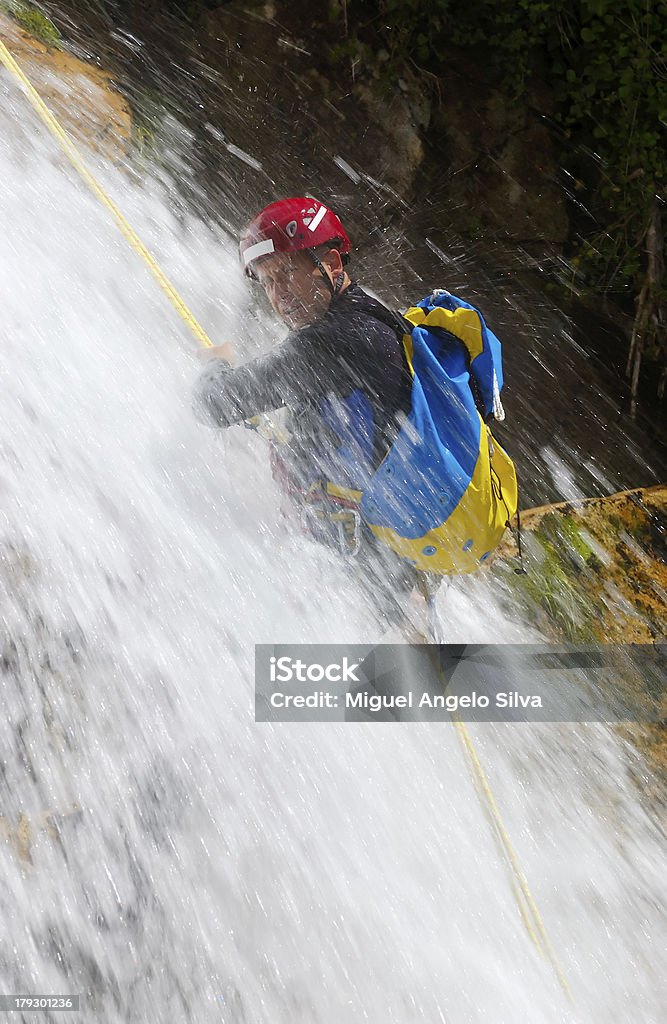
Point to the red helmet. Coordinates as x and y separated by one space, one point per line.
291 225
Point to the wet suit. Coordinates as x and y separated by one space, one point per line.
346 385
353 352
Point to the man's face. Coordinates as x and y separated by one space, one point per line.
295 288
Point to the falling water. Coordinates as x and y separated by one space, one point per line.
167 858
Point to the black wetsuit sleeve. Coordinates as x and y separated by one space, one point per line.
304 368
224 395
344 352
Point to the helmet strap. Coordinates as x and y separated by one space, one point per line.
333 288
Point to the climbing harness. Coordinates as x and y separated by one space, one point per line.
343 526
330 517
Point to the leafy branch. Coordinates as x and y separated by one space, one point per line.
604 62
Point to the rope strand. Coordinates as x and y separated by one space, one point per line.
126 228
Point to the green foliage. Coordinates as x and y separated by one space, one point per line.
605 64
351 50
149 108
413 26
611 90
36 24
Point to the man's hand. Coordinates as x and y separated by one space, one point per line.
224 352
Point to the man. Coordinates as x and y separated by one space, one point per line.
342 371
365 452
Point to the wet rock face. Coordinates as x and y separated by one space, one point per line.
80 95
275 98
279 108
303 113
501 165
597 573
597 569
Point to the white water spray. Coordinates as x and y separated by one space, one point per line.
195 865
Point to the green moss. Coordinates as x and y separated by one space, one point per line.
144 138
149 109
35 24
588 581
571 531
553 583
552 587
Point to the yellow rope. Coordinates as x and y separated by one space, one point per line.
526 903
95 187
528 909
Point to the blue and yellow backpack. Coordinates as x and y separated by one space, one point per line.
446 491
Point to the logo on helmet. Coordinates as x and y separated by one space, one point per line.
291 225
